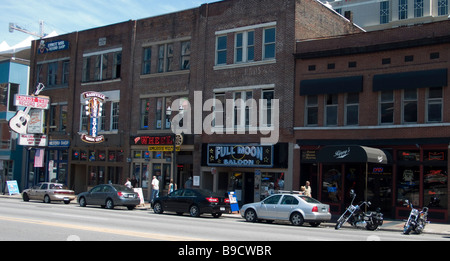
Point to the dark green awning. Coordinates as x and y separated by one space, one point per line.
410 80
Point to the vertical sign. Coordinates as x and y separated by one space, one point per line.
94 102
233 201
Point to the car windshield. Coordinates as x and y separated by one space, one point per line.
310 200
122 188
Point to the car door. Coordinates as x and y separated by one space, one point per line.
33 190
268 209
94 196
40 192
170 203
185 202
285 207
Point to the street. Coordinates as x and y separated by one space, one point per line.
59 222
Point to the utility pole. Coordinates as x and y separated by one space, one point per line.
41 34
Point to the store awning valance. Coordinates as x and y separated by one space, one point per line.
331 85
351 154
410 80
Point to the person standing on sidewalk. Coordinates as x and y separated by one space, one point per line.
155 187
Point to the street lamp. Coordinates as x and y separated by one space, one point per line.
173 174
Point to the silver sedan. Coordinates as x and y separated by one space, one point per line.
287 207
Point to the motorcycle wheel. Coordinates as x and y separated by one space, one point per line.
339 223
371 227
407 229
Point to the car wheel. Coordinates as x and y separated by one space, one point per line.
82 202
194 211
157 208
109 204
25 197
297 219
250 215
47 199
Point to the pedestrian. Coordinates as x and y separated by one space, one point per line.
172 186
188 183
155 187
308 190
134 181
128 183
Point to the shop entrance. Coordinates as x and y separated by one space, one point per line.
243 184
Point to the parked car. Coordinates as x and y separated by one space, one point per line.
48 192
192 201
289 207
108 196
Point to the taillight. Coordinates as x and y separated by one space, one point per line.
315 209
226 200
213 200
120 194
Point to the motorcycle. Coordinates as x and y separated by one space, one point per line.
357 218
416 220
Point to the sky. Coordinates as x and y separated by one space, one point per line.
66 16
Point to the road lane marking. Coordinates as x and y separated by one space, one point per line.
154 236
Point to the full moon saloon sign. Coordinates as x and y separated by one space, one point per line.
93 109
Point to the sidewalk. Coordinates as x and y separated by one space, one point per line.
388 225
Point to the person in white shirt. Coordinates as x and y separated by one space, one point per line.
155 188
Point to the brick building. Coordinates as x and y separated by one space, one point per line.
232 50
384 90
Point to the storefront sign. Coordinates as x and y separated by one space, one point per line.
94 102
163 148
54 46
38 102
33 140
240 155
152 140
13 188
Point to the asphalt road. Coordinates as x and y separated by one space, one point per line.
36 221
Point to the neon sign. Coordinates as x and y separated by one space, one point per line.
93 109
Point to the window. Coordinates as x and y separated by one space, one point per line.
221 50
331 109
386 107
402 9
352 109
52 73
161 52
101 67
244 47
169 58
145 109
269 43
185 55
434 104
267 96
410 106
384 12
289 200
312 110
418 8
65 76
244 112
63 117
147 60
114 116
117 65
273 200
86 74
219 110
442 7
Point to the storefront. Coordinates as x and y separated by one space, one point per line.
156 155
417 173
48 164
252 171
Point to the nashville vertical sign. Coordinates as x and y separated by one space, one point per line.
93 109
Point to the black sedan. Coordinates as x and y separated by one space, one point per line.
192 201
110 195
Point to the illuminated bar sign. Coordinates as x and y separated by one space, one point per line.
240 155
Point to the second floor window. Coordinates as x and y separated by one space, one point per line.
221 50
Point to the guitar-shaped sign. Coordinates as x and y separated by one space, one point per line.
19 123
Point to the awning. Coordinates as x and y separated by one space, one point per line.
410 80
331 85
351 154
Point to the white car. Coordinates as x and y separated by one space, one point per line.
287 207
